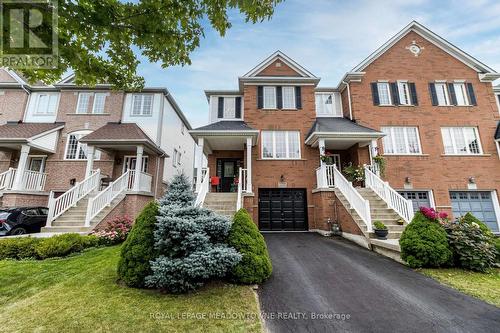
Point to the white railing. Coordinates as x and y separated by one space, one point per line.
243 180
324 176
394 200
68 199
204 188
145 182
106 196
7 179
33 180
357 202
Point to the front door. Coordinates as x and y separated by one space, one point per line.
36 163
227 171
130 162
282 209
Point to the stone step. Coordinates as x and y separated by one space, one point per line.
66 229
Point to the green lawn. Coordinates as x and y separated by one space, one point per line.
480 285
80 294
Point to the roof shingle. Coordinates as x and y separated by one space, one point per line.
339 125
25 130
117 131
226 126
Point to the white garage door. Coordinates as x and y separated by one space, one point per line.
479 203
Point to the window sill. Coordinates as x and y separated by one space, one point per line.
281 110
465 155
88 114
44 114
405 155
281 159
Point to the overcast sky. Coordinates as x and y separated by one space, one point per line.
327 37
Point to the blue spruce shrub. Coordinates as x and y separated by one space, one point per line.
190 242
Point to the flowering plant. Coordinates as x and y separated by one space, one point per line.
115 231
434 215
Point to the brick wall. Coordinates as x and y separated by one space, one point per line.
12 105
328 206
130 206
12 199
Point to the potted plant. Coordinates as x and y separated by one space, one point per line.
381 163
380 230
401 222
354 174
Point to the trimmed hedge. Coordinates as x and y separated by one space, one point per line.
43 248
138 249
255 266
424 243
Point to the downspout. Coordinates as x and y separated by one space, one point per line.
348 98
157 173
27 101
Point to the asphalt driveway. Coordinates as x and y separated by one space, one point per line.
321 284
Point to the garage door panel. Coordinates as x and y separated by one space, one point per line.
284 210
479 203
417 198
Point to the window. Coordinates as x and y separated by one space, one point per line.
401 141
461 94
83 102
179 158
76 150
99 100
174 158
142 105
280 144
384 93
326 105
269 97
46 104
461 140
131 162
229 107
442 94
288 97
404 93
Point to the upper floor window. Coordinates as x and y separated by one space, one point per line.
461 141
99 101
280 144
327 104
279 97
229 107
452 93
84 99
142 105
46 104
394 93
401 140
176 158
83 102
76 150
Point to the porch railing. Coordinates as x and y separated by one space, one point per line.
204 187
324 176
356 201
394 200
145 181
106 196
7 179
33 180
59 205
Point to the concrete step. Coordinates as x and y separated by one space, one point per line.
390 235
66 229
68 223
395 228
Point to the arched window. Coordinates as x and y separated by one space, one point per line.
76 150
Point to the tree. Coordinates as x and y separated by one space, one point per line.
97 39
190 242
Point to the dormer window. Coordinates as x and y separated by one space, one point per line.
328 104
229 107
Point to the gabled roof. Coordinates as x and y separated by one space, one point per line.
431 37
339 128
278 55
225 125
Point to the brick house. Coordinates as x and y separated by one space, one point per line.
280 143
88 154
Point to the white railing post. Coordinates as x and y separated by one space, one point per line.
51 205
203 189
240 180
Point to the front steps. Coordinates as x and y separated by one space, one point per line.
221 203
73 220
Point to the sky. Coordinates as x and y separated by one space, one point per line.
327 37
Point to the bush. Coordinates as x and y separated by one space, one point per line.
424 243
115 231
255 265
471 219
496 242
18 248
62 245
138 249
379 225
472 247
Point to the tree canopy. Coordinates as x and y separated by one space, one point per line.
99 40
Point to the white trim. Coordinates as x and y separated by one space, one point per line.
389 94
390 135
144 158
497 100
456 153
269 107
278 55
497 144
103 104
432 201
404 89
496 206
287 145
80 94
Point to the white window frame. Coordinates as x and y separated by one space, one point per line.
104 95
446 95
391 135
79 147
80 96
176 158
264 94
287 146
128 158
293 106
229 110
462 87
404 89
380 84
141 109
46 113
320 103
454 144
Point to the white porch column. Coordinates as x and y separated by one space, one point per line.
138 168
322 150
21 167
249 165
90 160
199 167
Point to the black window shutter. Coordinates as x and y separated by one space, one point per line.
472 96
413 93
279 98
260 97
376 100
220 113
453 95
395 93
498 99
298 98
237 103
434 98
